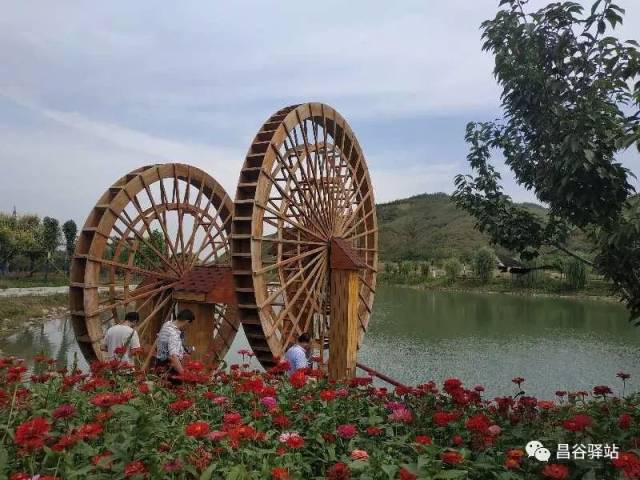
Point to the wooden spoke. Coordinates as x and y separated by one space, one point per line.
139 244
304 183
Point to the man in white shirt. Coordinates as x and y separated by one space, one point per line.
170 349
121 340
296 356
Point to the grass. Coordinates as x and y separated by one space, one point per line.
14 311
56 279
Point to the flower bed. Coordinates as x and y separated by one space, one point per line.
115 423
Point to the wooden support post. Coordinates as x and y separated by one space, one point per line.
345 291
343 332
200 333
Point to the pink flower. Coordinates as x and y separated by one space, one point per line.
494 430
268 402
401 415
359 455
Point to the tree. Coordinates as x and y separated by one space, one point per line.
483 264
570 100
50 238
70 231
452 268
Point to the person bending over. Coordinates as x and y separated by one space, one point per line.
297 355
122 339
170 349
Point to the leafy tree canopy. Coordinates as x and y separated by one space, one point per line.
570 101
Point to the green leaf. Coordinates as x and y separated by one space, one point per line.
208 473
451 474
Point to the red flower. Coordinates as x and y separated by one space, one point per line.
457 440
623 376
602 390
135 468
295 441
423 440
442 419
279 473
347 431
451 457
232 418
20 476
451 385
64 442
31 434
298 379
556 471
518 380
328 395
511 463
281 421
197 429
405 474
374 431
64 411
89 430
478 423
577 423
624 421
180 405
338 471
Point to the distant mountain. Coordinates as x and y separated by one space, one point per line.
431 227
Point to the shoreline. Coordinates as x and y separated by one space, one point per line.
19 312
521 292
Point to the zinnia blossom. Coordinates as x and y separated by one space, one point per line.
279 473
197 429
338 471
180 405
31 434
451 457
478 423
65 410
577 423
134 468
405 474
359 455
347 430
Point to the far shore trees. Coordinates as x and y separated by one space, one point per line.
571 107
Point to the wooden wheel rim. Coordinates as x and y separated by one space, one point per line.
116 267
304 182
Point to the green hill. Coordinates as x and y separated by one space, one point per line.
431 227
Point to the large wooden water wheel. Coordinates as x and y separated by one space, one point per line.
157 240
304 236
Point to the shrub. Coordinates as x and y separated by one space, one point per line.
452 268
483 263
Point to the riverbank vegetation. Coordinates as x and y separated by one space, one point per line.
240 424
16 311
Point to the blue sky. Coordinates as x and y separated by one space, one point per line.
91 90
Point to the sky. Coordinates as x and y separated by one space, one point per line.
92 90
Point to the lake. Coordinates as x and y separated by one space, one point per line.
487 339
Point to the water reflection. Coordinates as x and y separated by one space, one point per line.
555 343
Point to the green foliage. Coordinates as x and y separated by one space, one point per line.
483 263
149 254
452 268
70 231
575 273
570 99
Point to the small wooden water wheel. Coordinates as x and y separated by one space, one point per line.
157 240
304 237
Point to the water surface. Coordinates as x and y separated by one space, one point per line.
417 335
